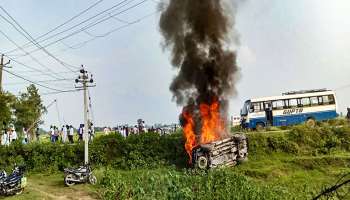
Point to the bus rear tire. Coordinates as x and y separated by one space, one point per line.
310 123
259 127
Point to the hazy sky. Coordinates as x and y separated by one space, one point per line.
284 45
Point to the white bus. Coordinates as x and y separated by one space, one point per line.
290 108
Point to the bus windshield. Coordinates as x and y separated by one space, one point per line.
244 111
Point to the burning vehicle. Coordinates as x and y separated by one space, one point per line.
199 33
226 152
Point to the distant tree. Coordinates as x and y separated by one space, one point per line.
28 108
7 101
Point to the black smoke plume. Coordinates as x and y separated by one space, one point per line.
198 33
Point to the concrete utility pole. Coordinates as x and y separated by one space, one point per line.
2 65
86 80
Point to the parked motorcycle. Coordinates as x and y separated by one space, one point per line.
83 174
13 183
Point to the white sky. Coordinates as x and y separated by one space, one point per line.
284 45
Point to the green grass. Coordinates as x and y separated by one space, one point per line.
284 163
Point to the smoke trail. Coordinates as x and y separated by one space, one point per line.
198 32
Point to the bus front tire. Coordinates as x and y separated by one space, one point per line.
259 127
310 122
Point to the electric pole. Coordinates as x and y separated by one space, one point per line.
2 65
86 80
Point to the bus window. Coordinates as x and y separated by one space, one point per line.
299 103
256 107
267 105
331 99
320 100
314 101
305 102
277 105
293 103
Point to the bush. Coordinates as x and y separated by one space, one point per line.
302 140
146 151
152 150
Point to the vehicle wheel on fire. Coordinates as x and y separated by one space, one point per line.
202 162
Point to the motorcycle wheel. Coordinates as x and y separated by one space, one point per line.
67 180
92 180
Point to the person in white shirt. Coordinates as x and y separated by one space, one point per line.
13 134
5 138
25 134
70 134
64 133
52 134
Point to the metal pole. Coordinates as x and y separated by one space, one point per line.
1 67
86 126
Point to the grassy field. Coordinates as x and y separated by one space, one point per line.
288 163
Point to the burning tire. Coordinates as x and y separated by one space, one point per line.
202 162
226 152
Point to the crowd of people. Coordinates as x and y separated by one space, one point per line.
9 135
66 133
126 130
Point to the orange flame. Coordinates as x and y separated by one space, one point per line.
189 134
213 126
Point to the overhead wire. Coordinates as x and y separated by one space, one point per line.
32 57
94 37
88 26
65 91
80 23
33 82
43 81
32 40
61 25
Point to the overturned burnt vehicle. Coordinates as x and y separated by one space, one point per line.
226 152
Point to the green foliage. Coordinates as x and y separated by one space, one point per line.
302 140
186 184
28 108
6 103
142 151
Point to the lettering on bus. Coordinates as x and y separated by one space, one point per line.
292 111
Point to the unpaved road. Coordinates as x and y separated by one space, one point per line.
51 187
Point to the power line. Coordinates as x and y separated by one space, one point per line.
32 40
88 26
43 81
35 83
32 68
59 26
94 37
65 91
32 57
76 25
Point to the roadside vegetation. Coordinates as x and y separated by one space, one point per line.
284 163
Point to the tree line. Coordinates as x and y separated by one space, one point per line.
22 110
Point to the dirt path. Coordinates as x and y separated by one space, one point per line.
51 187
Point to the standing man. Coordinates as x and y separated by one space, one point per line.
13 134
64 133
37 133
52 134
70 134
348 114
81 132
25 134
